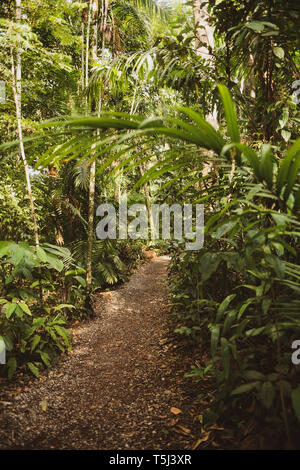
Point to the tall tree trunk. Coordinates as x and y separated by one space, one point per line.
19 58
83 50
16 76
204 31
87 44
89 261
94 43
103 24
113 36
94 6
204 43
148 203
145 186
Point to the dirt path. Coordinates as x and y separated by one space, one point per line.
115 390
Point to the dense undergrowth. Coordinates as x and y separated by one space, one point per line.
240 292
43 293
239 295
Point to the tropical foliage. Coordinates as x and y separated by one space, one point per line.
163 115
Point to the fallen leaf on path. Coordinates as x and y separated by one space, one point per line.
202 439
215 427
44 405
183 429
175 411
172 422
181 432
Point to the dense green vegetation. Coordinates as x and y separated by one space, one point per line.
188 103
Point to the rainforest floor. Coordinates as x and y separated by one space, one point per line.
122 387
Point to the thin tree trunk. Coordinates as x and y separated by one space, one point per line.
94 46
82 52
105 7
148 203
145 186
113 36
87 46
94 43
204 43
22 150
204 31
89 261
19 59
16 75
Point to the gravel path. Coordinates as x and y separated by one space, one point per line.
116 388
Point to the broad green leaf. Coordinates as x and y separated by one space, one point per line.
17 255
55 263
276 264
45 358
267 164
33 369
225 228
215 333
230 114
251 156
285 164
65 334
208 265
267 394
62 306
10 310
292 175
253 375
256 331
5 248
244 307
279 52
216 140
245 388
35 341
25 308
41 254
223 306
229 319
81 280
286 134
256 26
